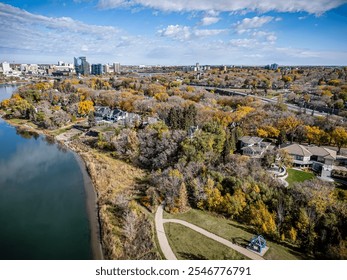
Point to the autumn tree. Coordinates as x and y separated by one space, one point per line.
315 135
85 107
262 219
289 125
339 135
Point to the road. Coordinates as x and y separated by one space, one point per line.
291 107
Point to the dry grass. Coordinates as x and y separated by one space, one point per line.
112 178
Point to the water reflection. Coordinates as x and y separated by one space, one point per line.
6 91
29 160
27 134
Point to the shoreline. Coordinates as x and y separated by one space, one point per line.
91 207
91 202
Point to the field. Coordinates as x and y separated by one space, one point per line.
230 230
190 245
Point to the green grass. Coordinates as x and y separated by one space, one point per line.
234 232
296 176
188 244
59 131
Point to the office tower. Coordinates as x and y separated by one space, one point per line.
82 66
97 69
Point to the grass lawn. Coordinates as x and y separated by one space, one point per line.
188 244
295 176
235 232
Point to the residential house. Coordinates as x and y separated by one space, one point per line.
318 159
253 146
102 112
117 115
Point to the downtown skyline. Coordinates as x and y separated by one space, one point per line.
175 32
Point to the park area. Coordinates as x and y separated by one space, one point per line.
188 244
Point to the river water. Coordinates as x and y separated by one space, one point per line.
43 211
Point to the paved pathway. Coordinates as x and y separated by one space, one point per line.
163 242
165 247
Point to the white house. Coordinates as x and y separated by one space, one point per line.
319 159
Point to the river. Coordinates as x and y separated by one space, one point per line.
43 213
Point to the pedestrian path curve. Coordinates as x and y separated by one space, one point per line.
165 246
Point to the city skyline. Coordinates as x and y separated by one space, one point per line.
175 32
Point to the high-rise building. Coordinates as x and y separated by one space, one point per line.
81 65
97 69
5 66
106 68
116 67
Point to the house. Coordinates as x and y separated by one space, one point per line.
102 112
253 146
131 118
116 115
318 159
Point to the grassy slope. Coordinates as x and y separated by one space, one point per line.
296 176
191 245
231 230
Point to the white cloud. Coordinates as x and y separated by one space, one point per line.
268 36
310 6
212 13
208 32
244 43
247 24
209 20
29 32
185 33
30 38
176 32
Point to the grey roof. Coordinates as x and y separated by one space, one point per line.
297 149
254 149
307 151
250 140
323 152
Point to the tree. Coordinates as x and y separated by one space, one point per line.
182 200
262 219
339 135
268 131
314 134
85 107
161 96
289 126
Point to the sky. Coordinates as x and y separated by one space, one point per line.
175 32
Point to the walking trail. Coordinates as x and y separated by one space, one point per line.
165 246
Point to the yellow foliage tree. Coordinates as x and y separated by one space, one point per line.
85 107
241 112
314 134
293 234
235 204
262 219
5 103
339 136
289 125
268 131
161 96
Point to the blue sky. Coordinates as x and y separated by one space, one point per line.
175 32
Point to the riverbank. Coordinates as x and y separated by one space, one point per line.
90 191
108 182
92 210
